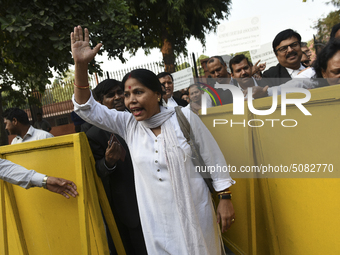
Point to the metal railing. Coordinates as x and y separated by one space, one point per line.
56 100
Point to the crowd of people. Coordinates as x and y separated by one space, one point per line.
145 160
295 69
171 206
150 120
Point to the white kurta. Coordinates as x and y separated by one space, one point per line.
158 212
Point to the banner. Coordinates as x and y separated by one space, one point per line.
266 54
182 78
237 36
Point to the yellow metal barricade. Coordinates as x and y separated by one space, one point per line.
36 221
290 214
285 214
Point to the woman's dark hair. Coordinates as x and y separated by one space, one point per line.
320 64
147 78
335 29
105 87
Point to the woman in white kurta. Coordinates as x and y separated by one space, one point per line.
174 202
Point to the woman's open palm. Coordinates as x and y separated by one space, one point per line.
81 50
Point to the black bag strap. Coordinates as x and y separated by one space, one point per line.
197 158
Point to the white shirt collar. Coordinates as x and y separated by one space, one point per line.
293 72
30 132
171 102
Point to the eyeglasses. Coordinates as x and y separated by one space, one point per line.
284 49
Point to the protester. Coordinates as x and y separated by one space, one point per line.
218 70
325 71
306 50
19 175
327 64
116 172
305 61
17 123
241 72
175 205
167 80
185 96
286 46
42 124
195 95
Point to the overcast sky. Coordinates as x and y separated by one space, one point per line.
276 15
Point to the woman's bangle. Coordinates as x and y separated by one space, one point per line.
81 87
224 192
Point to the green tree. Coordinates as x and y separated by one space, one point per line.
167 24
182 66
324 25
34 38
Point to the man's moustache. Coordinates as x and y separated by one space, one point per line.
291 54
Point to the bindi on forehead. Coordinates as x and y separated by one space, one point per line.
129 87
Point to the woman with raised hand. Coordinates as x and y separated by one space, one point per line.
175 205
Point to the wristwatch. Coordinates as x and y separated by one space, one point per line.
225 196
44 182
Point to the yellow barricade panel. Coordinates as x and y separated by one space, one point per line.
36 221
284 214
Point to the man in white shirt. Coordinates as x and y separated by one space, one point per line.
17 123
167 80
19 175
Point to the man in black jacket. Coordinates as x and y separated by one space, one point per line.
117 175
287 48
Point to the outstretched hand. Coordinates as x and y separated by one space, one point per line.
61 186
81 50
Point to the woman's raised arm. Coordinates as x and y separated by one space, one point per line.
82 55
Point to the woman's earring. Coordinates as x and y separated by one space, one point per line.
159 99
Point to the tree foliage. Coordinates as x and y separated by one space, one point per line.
324 25
167 24
34 38
35 35
198 64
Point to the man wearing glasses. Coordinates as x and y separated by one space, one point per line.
287 48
